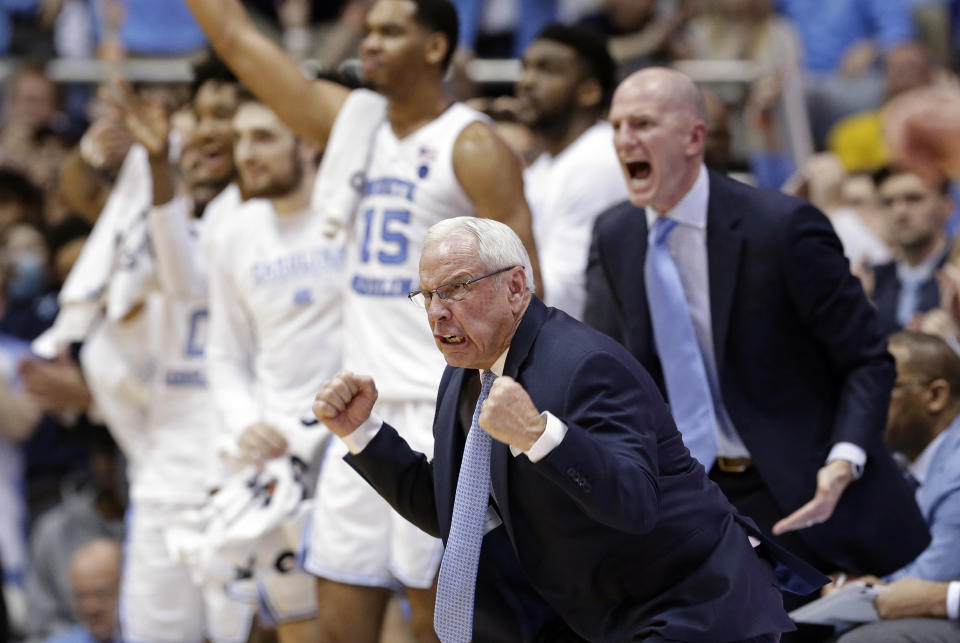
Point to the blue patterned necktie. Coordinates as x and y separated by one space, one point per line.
683 369
453 615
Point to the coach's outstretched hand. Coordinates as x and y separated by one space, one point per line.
345 402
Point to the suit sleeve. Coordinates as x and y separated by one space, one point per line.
402 476
830 301
608 460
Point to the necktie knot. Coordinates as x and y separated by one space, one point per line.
662 227
486 382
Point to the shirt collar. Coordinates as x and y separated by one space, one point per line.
921 466
498 365
691 210
922 271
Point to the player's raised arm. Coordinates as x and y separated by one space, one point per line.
490 174
307 107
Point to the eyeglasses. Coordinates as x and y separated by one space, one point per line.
912 384
450 292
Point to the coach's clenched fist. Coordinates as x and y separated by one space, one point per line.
345 402
509 415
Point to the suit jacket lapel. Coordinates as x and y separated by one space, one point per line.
724 241
637 277
520 346
448 450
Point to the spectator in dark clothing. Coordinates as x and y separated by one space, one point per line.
916 210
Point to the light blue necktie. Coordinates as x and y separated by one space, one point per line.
453 615
683 369
908 302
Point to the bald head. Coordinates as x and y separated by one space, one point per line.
95 581
678 92
659 119
96 555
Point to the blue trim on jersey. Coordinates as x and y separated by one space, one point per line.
390 186
376 287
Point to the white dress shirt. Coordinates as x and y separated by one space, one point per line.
688 247
953 600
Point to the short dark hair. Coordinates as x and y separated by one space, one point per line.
210 68
591 48
440 15
939 181
929 356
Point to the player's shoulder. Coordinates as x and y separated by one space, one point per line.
232 220
477 142
361 105
223 205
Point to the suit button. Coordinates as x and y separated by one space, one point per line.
573 473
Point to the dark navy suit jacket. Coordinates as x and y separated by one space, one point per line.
617 530
801 359
886 294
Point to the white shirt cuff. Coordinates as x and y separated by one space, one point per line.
851 453
363 434
953 600
551 437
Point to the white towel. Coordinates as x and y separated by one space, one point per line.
131 196
83 294
134 271
342 172
255 507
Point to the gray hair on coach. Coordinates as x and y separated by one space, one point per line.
497 246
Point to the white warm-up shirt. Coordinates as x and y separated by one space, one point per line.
179 463
566 194
275 315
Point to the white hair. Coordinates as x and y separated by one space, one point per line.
496 245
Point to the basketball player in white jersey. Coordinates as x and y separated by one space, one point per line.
159 599
275 307
430 161
189 424
275 295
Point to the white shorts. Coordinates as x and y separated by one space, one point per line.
159 601
285 593
355 537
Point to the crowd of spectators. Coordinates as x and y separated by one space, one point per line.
837 64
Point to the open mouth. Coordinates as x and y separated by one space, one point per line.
450 340
639 169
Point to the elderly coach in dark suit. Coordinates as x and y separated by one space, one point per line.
742 307
582 484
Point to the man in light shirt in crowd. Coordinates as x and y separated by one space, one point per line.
567 80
